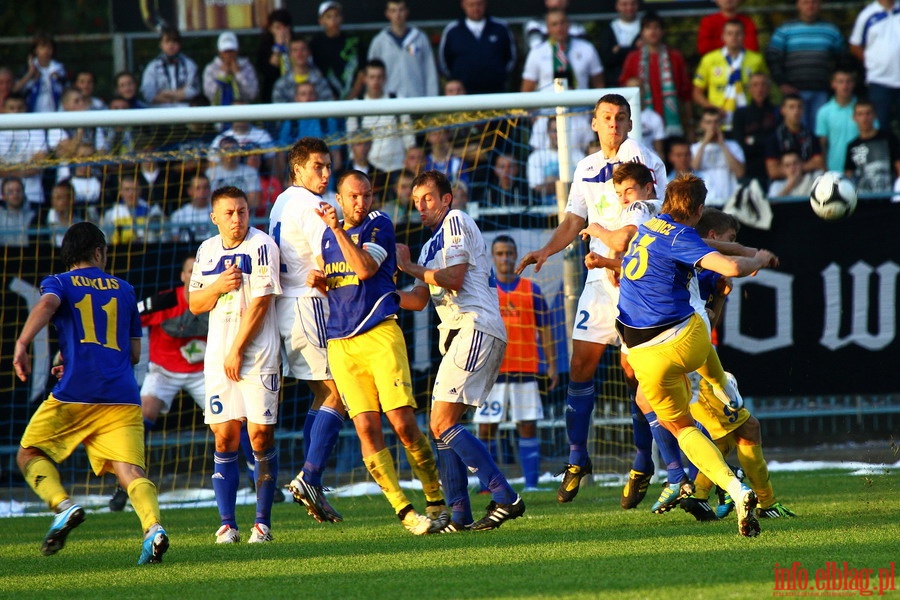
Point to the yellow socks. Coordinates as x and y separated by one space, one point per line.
421 459
43 477
381 467
145 501
757 471
704 454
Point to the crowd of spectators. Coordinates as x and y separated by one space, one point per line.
813 98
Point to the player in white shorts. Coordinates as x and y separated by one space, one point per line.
516 396
454 271
177 347
164 385
303 313
592 199
235 279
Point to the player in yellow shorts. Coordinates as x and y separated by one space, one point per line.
729 428
666 337
366 352
96 401
376 363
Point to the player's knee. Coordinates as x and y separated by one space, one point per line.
262 438
628 372
438 426
750 431
26 455
151 406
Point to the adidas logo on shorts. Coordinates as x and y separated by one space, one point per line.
268 413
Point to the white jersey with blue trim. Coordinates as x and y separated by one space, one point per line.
297 229
593 197
258 258
459 241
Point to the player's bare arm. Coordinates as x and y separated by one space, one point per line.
135 350
615 239
414 299
717 306
562 236
737 266
596 261
736 249
37 320
546 336
316 279
251 322
204 299
449 278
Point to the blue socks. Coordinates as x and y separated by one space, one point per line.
668 449
247 450
225 485
266 480
322 438
530 459
308 428
475 455
455 481
579 404
643 441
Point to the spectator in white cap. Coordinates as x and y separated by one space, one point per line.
229 78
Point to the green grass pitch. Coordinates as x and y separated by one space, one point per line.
588 549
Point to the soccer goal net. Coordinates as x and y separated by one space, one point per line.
140 175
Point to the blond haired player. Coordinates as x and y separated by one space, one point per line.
728 427
666 337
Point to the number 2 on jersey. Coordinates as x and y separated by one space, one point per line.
85 308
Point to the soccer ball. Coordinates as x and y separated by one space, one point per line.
833 196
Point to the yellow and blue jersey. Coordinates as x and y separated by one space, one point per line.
359 305
656 273
96 320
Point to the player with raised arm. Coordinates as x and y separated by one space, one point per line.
96 401
235 280
302 316
366 349
667 338
455 272
593 199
